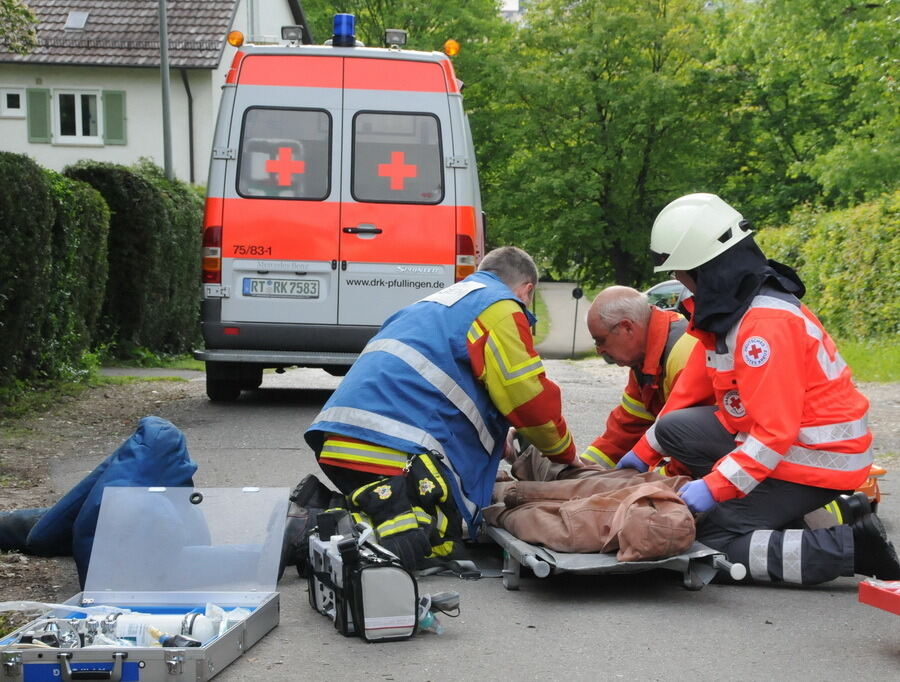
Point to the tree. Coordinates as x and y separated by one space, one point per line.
809 101
17 26
602 127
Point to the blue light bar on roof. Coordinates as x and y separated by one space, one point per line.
344 30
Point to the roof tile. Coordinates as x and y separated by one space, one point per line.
126 33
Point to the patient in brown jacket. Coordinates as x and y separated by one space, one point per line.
592 509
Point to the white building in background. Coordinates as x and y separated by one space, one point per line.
92 87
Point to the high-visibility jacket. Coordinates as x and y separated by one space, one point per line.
415 389
665 355
785 392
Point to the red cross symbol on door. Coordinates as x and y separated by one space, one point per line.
397 170
285 166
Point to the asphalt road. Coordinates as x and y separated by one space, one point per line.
640 626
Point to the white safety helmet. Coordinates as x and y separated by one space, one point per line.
694 229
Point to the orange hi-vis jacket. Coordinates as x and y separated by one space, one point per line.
666 354
785 392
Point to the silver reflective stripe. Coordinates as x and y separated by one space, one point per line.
756 450
353 416
831 433
759 554
721 362
440 380
533 365
792 557
398 459
650 435
455 292
797 454
826 459
739 478
831 368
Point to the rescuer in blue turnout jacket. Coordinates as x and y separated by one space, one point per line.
414 434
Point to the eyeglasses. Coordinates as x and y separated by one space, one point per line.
599 342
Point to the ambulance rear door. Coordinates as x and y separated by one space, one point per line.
398 200
281 216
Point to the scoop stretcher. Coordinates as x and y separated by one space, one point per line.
698 566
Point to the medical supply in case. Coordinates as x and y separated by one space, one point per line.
181 582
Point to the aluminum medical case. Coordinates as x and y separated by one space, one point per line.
170 551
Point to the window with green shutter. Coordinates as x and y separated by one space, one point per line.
39 125
114 117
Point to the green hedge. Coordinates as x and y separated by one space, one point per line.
52 273
849 261
78 274
26 218
154 257
184 207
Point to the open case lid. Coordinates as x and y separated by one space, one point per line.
160 545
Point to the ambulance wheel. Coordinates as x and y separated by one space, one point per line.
222 390
251 377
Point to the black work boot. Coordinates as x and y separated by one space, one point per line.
873 553
853 507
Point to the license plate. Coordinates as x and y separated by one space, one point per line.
281 288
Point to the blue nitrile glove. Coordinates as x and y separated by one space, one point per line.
632 461
696 496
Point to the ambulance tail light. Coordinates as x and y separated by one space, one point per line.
465 256
212 255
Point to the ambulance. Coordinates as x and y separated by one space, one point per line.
342 187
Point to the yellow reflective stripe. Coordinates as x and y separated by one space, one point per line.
512 373
559 446
361 458
443 549
476 331
595 456
636 408
441 522
429 464
341 444
399 524
354 496
361 517
422 517
834 509
346 451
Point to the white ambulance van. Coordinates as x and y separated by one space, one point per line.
342 187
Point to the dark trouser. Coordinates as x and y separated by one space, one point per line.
749 530
442 523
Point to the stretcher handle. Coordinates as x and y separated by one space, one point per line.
114 674
735 570
540 568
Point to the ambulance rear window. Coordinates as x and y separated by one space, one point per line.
397 158
285 154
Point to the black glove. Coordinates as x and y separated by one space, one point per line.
409 546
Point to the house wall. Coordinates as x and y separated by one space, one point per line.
143 103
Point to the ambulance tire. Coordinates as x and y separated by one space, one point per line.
222 390
251 377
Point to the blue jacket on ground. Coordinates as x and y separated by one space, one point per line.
154 455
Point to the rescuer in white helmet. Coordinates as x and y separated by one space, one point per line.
767 419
